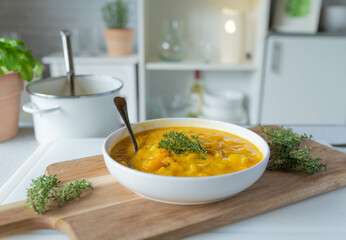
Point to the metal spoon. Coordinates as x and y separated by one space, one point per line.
66 44
121 105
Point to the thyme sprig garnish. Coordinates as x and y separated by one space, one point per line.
40 192
72 190
178 143
289 150
45 189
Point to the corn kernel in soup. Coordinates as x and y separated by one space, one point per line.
226 153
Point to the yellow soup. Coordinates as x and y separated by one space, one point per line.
226 153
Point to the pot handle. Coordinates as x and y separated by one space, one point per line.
32 108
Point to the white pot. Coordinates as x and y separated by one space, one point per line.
90 113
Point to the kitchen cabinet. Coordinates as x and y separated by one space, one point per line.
304 80
124 68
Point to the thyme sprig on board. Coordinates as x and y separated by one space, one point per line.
288 151
178 142
45 189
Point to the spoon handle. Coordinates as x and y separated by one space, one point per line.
121 105
66 43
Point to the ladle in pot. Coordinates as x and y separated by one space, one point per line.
121 105
66 44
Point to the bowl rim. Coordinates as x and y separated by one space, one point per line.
179 178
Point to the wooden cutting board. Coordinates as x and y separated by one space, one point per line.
110 211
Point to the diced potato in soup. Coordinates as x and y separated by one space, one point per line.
226 153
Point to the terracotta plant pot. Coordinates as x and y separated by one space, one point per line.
119 41
11 86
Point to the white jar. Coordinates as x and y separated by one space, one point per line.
334 19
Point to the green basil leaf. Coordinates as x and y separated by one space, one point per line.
15 43
38 68
12 42
20 43
2 46
1 71
10 59
26 72
29 58
15 57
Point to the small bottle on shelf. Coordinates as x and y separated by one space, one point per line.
196 94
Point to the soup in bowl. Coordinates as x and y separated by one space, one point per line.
186 161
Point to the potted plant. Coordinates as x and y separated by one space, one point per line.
16 64
119 39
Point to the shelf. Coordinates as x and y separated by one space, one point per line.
318 34
102 58
191 66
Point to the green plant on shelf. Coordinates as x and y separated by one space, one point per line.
298 8
115 14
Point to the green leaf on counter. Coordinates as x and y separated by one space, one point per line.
288 151
45 189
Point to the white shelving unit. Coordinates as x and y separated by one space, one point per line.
160 81
191 66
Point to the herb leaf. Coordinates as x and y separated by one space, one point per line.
178 143
45 189
72 190
14 56
40 192
287 151
115 14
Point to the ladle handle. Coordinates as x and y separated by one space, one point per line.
121 105
66 45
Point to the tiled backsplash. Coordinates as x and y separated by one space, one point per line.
38 21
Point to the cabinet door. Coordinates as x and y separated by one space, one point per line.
304 80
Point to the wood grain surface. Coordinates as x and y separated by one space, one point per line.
111 211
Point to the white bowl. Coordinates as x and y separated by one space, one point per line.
186 190
232 115
224 99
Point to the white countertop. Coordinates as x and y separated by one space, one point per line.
102 58
16 150
326 210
